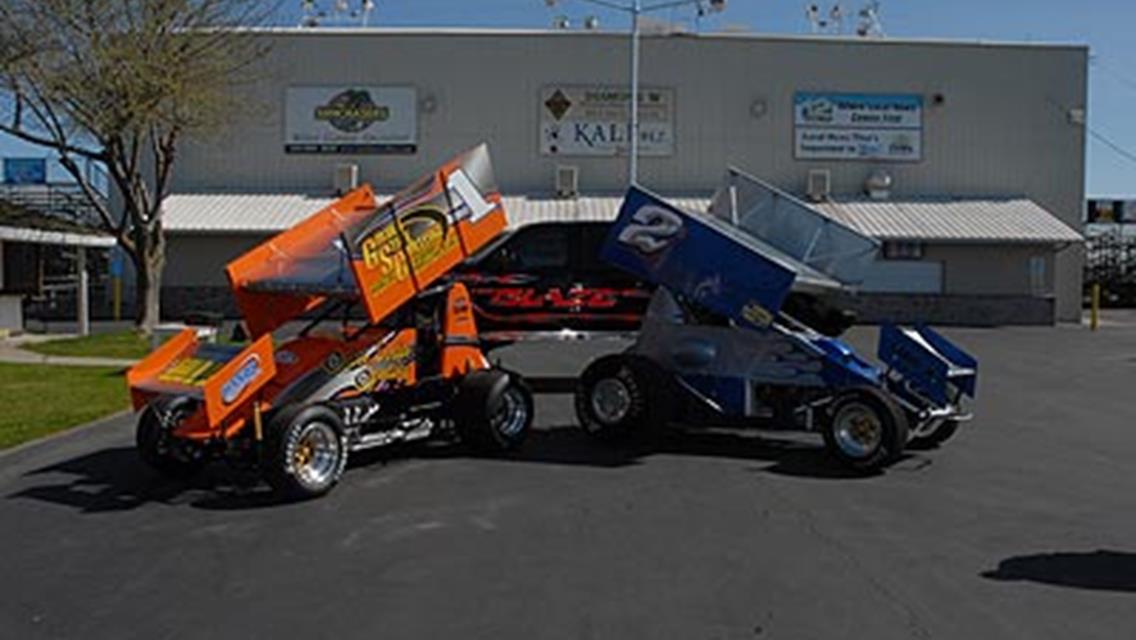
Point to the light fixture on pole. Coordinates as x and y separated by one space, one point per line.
636 8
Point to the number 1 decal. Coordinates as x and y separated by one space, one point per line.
465 197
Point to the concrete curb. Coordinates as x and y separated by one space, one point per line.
13 354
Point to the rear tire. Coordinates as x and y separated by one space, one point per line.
865 429
306 452
159 448
493 410
621 396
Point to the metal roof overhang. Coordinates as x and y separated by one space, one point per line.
64 238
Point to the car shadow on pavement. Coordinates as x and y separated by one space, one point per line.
1099 570
567 444
116 480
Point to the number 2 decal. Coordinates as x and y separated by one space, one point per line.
652 228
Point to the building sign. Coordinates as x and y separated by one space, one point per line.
853 126
25 171
351 120
595 121
1111 211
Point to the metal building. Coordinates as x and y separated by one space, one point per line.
966 158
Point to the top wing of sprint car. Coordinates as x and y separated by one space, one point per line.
380 254
739 261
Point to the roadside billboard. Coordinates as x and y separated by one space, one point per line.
351 120
25 171
858 126
1111 211
594 120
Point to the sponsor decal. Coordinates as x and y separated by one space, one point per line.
190 371
352 111
426 234
285 357
240 381
333 362
393 364
757 314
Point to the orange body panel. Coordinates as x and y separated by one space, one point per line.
148 369
265 311
230 388
460 351
437 223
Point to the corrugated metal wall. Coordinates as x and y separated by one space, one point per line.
1003 128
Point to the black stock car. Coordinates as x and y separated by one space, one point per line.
548 277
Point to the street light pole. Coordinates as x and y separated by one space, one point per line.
633 159
636 9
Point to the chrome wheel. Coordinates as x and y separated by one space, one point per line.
315 457
858 430
611 400
512 415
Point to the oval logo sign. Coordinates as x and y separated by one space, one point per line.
240 381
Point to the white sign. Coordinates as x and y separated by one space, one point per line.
351 119
847 126
595 121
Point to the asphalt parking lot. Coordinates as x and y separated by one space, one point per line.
1024 526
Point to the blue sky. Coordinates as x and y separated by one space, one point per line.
1107 26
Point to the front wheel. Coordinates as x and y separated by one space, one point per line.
306 452
493 410
159 448
865 429
620 396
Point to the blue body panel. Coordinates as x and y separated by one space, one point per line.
929 363
735 274
693 256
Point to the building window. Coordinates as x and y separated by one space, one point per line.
903 250
1039 282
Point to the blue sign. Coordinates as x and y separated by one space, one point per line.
25 171
858 126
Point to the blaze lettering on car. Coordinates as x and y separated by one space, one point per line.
556 298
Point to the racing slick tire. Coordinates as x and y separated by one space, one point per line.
620 396
158 448
493 410
865 429
936 438
306 452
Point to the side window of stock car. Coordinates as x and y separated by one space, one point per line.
651 229
539 248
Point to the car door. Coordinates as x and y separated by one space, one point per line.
520 284
609 299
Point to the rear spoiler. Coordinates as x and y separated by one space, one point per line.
382 255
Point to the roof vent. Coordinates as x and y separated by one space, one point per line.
567 181
878 185
346 178
820 185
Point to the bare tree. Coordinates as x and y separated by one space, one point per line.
120 83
